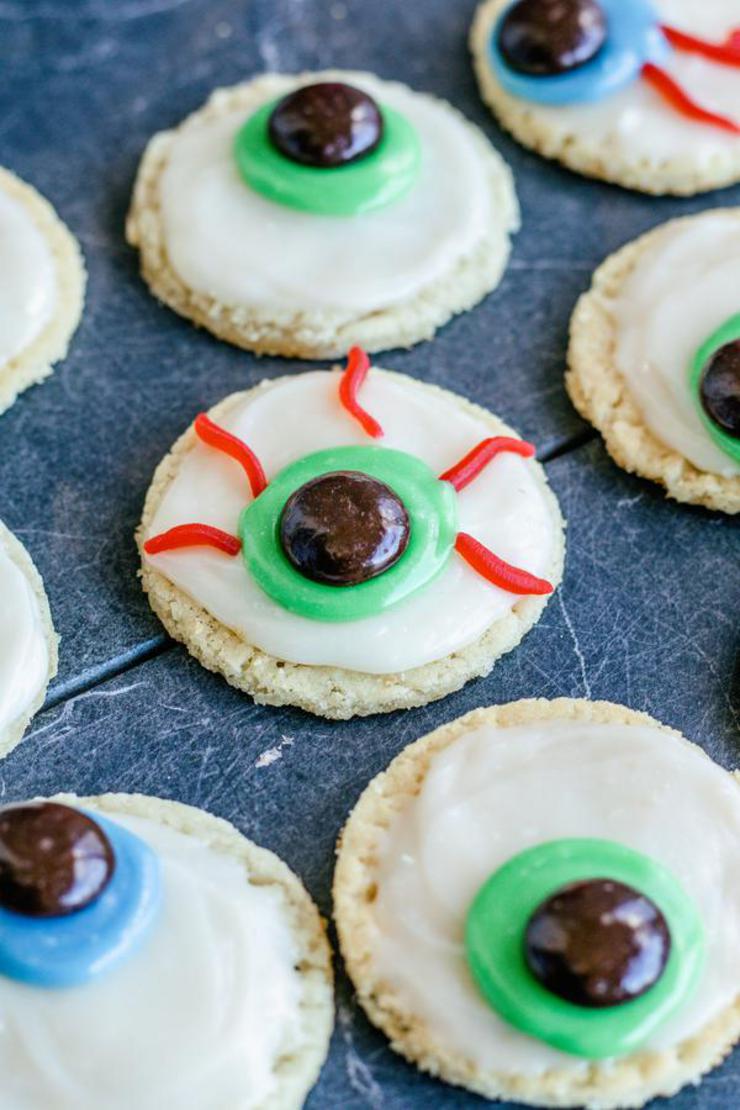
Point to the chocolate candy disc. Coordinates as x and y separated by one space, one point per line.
344 528
597 943
547 37
326 125
54 860
719 388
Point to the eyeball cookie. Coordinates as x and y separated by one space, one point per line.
152 956
644 93
299 215
41 306
349 543
28 643
541 901
654 359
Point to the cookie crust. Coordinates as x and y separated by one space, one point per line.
316 334
680 177
601 395
36 361
297 1069
331 692
629 1082
13 734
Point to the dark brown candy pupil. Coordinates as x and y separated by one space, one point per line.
597 943
720 388
344 528
54 860
326 125
547 37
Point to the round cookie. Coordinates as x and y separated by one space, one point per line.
278 280
41 307
508 795
641 339
222 995
28 642
651 110
444 609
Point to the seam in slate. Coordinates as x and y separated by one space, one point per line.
104 672
580 439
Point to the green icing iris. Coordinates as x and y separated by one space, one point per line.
374 181
726 333
494 938
430 503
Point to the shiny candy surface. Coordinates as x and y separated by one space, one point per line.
720 388
597 943
344 528
326 125
544 37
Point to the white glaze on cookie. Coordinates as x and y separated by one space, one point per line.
24 652
496 792
196 1019
681 290
637 124
229 242
505 508
28 290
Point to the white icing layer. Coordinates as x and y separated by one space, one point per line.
28 288
495 792
24 652
505 508
229 242
195 1020
637 124
681 290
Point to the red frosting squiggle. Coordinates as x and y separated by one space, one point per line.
679 99
727 53
496 571
193 535
358 365
463 472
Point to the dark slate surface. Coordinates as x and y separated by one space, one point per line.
648 614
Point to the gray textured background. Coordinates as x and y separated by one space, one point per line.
648 614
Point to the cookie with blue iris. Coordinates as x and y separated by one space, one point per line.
540 902
349 541
150 952
654 358
301 214
643 93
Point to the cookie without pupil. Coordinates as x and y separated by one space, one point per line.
597 943
720 388
326 125
54 860
344 528
546 37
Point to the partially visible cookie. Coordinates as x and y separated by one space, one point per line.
518 874
306 260
654 358
384 586
204 950
600 87
41 307
28 642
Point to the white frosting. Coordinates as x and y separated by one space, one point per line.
637 124
195 1020
496 792
227 241
505 508
28 288
24 652
682 289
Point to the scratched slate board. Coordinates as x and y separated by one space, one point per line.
648 614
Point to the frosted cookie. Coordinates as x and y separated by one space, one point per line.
541 902
655 357
41 307
644 93
382 541
301 214
152 956
28 643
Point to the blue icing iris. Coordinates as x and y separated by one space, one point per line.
68 951
634 37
